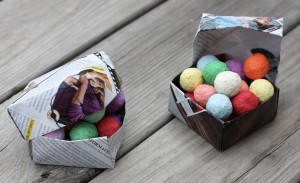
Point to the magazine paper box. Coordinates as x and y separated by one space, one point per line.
45 105
229 37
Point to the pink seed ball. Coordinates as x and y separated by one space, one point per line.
244 86
202 94
57 134
191 96
237 67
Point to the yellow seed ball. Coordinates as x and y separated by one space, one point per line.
190 78
263 89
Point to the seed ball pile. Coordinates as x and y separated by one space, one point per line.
110 122
226 90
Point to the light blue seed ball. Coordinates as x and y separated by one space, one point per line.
205 60
219 105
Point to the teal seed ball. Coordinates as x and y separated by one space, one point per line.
83 130
95 117
212 69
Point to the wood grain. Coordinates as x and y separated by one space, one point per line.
282 165
37 36
176 154
151 49
124 45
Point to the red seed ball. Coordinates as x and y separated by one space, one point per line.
109 125
244 102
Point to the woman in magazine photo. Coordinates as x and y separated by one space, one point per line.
80 97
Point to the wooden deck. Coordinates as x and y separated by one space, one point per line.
149 42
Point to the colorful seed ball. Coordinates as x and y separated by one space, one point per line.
212 69
83 130
95 117
109 125
228 83
244 102
57 134
202 94
236 66
256 66
191 96
205 60
117 103
190 78
263 89
244 86
219 105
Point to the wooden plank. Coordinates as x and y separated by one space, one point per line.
151 46
176 154
283 165
119 45
39 35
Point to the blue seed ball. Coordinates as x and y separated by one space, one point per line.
205 60
219 105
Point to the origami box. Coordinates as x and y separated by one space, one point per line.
229 37
44 106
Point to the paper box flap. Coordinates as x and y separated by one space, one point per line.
53 100
238 37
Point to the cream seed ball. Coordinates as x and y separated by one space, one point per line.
263 89
228 83
190 78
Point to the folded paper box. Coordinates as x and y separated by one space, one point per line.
230 37
44 106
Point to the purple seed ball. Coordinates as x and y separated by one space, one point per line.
237 67
57 134
117 103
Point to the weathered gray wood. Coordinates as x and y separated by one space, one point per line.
39 35
176 154
117 44
137 50
283 165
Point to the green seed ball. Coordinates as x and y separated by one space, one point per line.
83 130
212 69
